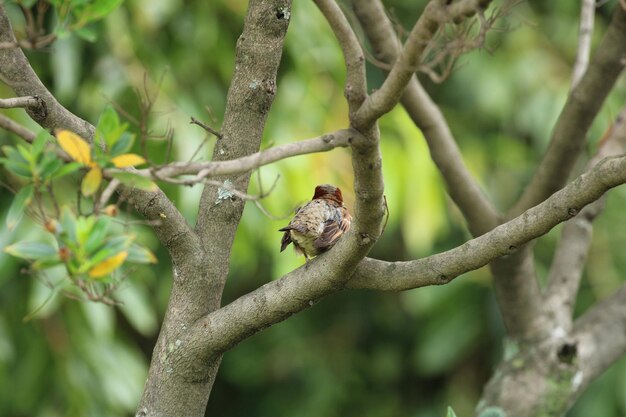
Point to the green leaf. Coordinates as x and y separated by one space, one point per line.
68 228
96 236
107 124
451 412
17 168
87 33
40 142
139 254
97 10
31 250
20 201
134 180
61 32
84 226
49 165
26 153
122 144
48 262
15 162
14 155
110 248
67 169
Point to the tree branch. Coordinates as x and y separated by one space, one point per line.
585 31
356 83
581 107
571 253
29 101
18 129
16 72
205 169
220 330
179 382
601 337
435 14
479 213
501 241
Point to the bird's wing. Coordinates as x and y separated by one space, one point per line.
332 231
286 240
334 228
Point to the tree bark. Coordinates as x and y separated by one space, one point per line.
180 381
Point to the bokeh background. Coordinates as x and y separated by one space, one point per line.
356 353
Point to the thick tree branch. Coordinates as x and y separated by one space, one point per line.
501 241
581 107
366 157
16 72
296 291
179 382
436 13
356 83
480 214
585 32
571 253
601 337
518 295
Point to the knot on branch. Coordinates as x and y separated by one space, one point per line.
283 13
567 352
39 112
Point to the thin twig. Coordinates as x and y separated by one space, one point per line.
107 193
206 127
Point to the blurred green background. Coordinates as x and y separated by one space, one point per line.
356 353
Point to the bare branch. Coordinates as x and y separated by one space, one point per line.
585 31
11 103
435 14
503 240
16 72
206 127
18 129
201 170
581 107
356 83
463 189
107 193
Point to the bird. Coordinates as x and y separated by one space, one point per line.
318 225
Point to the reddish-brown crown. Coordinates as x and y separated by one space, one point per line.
329 192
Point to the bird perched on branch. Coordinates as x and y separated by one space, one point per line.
318 224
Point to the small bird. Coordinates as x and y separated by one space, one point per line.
318 224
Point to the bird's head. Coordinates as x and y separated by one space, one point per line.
329 192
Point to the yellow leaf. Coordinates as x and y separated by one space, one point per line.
91 181
108 265
128 160
75 146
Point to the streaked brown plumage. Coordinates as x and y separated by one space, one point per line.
318 224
